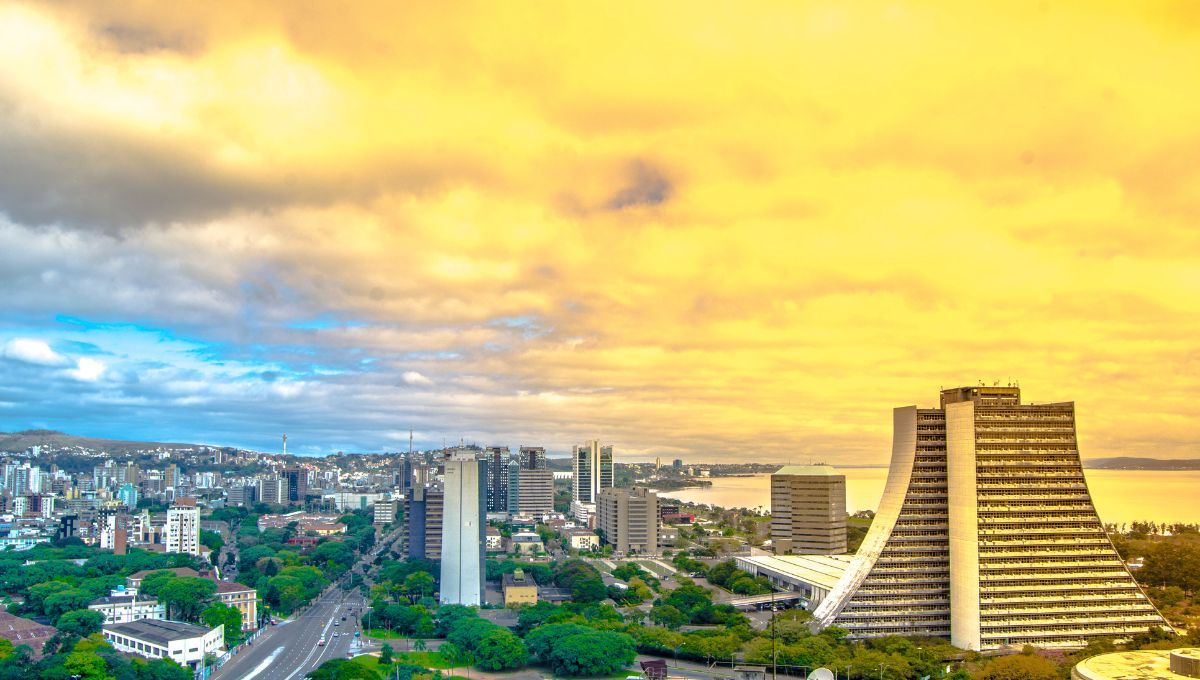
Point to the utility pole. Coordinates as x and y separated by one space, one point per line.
774 660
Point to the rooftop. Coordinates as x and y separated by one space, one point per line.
823 571
158 632
808 470
1149 664
21 631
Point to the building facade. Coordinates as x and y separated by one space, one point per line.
296 480
628 520
592 468
537 492
183 527
463 521
183 643
986 534
808 510
497 478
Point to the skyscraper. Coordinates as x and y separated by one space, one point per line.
422 537
514 486
183 527
986 534
592 465
533 458
463 521
297 484
497 478
536 492
808 510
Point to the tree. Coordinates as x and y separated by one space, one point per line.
419 584
668 616
186 597
450 614
343 669
160 669
469 632
86 666
592 653
385 654
6 648
218 614
212 540
68 600
80 622
500 650
1020 667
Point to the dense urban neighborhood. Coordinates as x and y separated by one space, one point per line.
163 561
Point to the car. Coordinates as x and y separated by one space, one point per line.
337 623
335 633
321 642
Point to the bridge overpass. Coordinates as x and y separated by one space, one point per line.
756 601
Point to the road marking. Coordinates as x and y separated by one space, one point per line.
263 666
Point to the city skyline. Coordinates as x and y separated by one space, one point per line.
687 232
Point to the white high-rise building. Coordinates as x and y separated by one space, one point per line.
183 527
986 534
592 466
463 520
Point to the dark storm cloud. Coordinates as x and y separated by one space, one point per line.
646 185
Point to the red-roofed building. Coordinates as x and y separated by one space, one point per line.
21 631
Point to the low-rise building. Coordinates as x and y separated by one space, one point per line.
582 539
21 631
813 576
181 642
237 595
526 543
519 589
493 540
1147 664
123 608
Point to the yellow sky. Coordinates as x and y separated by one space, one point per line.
737 228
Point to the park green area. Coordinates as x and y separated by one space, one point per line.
601 632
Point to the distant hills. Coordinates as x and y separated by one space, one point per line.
55 440
1132 463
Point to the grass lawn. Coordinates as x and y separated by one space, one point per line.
425 659
381 634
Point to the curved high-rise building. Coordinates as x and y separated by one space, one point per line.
986 534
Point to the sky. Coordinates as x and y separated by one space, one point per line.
690 230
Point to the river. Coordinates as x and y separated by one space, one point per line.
1121 496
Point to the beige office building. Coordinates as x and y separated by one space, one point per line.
808 510
986 534
628 519
535 495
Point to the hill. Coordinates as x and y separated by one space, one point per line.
54 440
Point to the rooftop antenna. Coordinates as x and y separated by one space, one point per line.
410 442
285 444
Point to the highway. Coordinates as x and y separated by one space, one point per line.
289 651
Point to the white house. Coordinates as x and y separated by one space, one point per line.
126 607
182 642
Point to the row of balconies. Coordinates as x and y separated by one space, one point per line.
1026 576
1021 623
991 564
1132 607
1037 587
874 605
1049 636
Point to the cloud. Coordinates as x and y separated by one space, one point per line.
647 186
676 242
33 351
87 369
414 378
